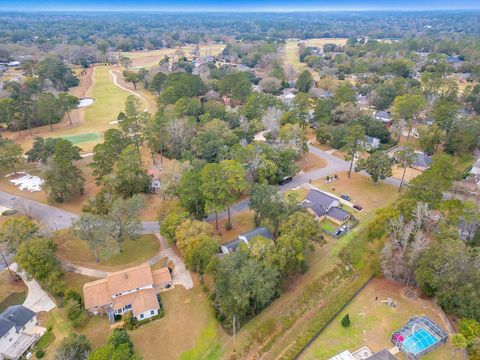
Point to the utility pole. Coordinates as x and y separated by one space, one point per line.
7 265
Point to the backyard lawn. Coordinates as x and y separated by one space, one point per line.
373 322
187 331
328 225
133 252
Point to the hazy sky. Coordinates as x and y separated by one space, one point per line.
245 5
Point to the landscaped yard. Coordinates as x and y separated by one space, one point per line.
373 322
328 225
133 252
241 223
187 331
11 292
362 190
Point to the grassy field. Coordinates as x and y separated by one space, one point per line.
151 58
187 331
133 252
373 322
291 51
11 292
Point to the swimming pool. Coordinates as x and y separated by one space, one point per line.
418 341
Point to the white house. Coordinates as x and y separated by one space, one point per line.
18 331
133 289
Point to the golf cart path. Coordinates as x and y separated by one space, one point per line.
112 72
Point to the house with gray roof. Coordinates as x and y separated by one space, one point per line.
383 116
18 331
322 205
245 238
372 142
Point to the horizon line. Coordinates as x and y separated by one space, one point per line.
220 10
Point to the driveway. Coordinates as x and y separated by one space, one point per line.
37 300
180 274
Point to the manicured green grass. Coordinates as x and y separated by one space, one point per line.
81 138
44 341
133 252
328 225
109 100
13 299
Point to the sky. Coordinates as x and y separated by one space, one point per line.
232 5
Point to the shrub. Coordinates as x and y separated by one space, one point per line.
346 321
129 321
40 354
75 313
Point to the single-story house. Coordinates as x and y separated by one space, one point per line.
287 96
372 142
322 205
133 289
245 238
383 116
421 161
18 331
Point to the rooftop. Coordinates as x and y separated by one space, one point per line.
16 315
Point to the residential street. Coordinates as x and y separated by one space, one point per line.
61 219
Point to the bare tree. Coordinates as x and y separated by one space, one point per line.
271 121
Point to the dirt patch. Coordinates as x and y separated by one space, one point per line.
311 161
241 223
410 174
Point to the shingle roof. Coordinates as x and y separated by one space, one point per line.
233 245
5 326
96 293
259 231
16 315
144 301
338 213
161 276
320 198
382 355
129 279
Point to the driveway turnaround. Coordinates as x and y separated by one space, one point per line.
37 300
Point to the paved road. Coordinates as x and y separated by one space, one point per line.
62 219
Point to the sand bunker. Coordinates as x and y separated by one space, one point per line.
85 102
26 182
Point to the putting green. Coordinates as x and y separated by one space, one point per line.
81 138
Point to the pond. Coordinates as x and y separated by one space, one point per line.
85 102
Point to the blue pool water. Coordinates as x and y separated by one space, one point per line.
418 341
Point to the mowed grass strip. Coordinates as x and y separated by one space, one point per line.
133 252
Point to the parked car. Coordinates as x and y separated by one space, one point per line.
358 207
338 232
285 180
345 197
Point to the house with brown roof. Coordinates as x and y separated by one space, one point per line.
134 289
